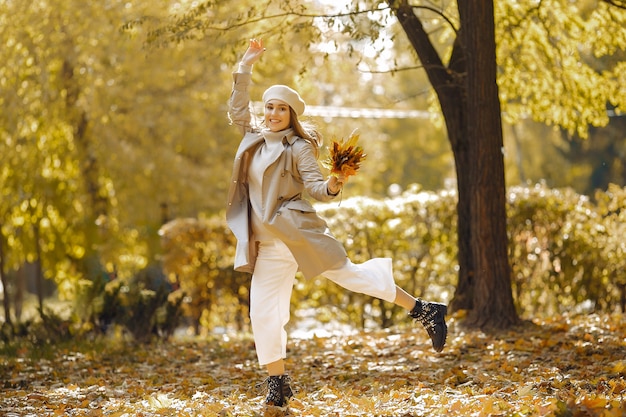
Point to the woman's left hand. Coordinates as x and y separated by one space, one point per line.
254 52
336 182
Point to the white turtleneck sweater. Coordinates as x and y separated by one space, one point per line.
268 151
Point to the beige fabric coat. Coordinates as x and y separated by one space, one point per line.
289 217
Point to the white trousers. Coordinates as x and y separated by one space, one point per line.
272 284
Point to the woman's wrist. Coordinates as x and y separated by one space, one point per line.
331 192
245 68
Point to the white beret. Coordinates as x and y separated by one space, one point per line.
286 94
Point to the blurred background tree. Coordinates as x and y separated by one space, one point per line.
102 142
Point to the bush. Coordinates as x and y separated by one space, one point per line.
145 306
198 257
49 329
566 251
415 230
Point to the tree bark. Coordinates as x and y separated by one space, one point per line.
493 304
448 84
38 267
471 110
6 299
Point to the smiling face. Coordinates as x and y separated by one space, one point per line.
277 115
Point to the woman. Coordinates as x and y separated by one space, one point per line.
279 233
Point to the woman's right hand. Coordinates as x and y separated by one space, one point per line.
254 52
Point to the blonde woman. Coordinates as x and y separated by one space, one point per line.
278 232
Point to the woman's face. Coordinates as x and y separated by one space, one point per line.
277 115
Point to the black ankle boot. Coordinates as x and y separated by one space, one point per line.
279 390
433 318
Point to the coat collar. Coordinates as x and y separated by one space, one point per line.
251 139
291 138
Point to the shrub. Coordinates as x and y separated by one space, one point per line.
566 251
145 306
198 257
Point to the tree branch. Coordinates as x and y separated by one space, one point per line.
431 61
616 3
414 67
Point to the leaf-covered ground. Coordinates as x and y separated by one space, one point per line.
565 367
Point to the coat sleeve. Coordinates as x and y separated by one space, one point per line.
309 170
239 102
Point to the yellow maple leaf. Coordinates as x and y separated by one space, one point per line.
619 366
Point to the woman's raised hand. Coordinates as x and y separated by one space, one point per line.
254 52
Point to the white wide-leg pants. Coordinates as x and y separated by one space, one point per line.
272 284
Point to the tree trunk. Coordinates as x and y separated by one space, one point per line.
90 167
493 305
454 107
38 267
449 86
471 110
6 300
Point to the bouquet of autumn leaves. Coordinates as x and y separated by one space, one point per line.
344 157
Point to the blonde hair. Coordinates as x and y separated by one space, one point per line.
306 131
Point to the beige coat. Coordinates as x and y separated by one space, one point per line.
289 217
